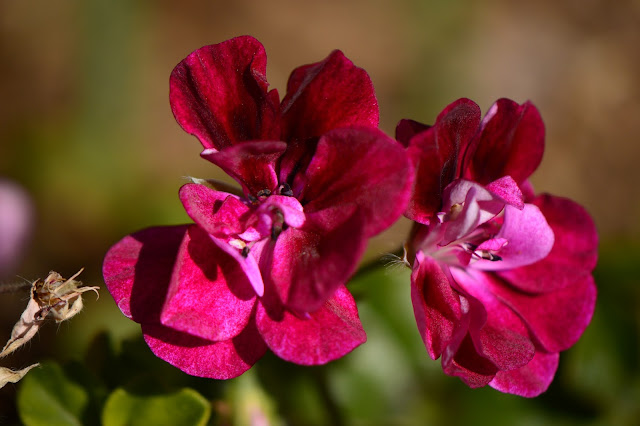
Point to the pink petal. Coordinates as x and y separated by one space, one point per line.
327 95
497 332
436 155
507 189
325 335
247 263
510 143
435 304
252 164
137 270
530 380
529 235
209 296
558 318
290 208
478 207
469 218
574 253
493 244
360 166
310 263
217 360
217 212
219 94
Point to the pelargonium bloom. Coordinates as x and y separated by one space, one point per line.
501 278
264 266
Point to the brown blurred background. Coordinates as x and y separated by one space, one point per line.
85 123
86 128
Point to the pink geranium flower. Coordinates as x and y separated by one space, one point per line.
265 266
501 278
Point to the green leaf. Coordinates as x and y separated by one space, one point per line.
184 407
48 397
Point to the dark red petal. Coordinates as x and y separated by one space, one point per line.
252 164
217 360
510 143
295 161
436 155
474 370
558 318
435 304
497 332
209 295
310 263
574 253
327 95
219 94
327 334
530 380
137 270
360 166
406 129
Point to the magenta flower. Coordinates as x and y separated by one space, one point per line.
264 267
501 278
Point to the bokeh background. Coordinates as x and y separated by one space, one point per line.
86 130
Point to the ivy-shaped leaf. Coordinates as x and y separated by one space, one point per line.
185 407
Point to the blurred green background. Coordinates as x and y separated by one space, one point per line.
86 129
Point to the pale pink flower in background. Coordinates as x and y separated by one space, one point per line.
16 219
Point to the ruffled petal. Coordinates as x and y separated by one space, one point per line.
247 263
510 143
291 209
219 94
225 359
529 236
219 213
574 253
327 95
436 155
478 206
209 296
319 337
530 380
311 262
407 129
497 333
507 189
137 270
251 164
360 166
473 369
556 319
435 304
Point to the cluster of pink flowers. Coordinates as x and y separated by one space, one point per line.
501 277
